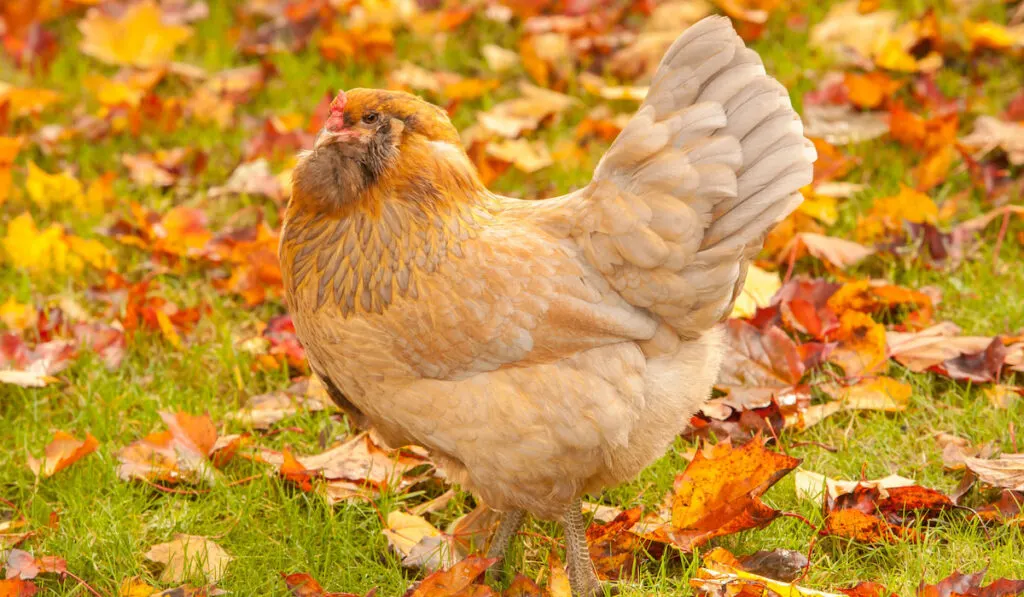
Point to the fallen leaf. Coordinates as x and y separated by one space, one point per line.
979 367
189 556
16 587
417 542
861 348
865 528
449 583
21 564
263 410
1005 472
785 565
722 575
758 290
707 503
969 585
182 453
834 251
527 156
62 451
990 133
303 585
136 38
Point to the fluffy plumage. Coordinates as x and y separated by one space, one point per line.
540 349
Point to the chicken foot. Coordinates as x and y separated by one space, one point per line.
582 577
507 529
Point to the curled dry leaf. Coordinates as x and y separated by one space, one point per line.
1005 472
62 451
837 252
189 556
356 468
956 450
980 367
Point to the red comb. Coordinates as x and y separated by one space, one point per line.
338 103
336 119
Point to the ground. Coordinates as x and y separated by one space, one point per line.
105 524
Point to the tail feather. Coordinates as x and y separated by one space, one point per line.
712 160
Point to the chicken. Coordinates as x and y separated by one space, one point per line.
541 350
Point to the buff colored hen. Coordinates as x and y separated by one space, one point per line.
540 350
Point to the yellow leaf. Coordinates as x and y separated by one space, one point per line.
888 213
758 291
48 190
50 250
823 208
167 328
136 38
986 34
112 93
25 101
37 251
16 316
90 251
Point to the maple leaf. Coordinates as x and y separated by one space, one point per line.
63 451
21 564
969 585
16 587
614 548
51 249
137 38
861 347
448 583
47 190
304 585
189 556
709 502
419 543
185 452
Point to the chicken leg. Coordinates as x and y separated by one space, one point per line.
582 577
510 523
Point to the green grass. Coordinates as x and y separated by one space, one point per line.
105 525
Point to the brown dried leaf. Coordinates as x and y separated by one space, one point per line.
189 556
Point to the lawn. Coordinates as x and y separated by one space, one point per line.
102 525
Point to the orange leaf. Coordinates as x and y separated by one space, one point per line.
861 344
448 583
63 451
719 492
293 470
303 585
933 168
854 524
869 90
16 587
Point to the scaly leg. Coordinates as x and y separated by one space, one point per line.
582 577
510 523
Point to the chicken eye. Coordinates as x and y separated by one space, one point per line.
369 118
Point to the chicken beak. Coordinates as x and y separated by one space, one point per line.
327 137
